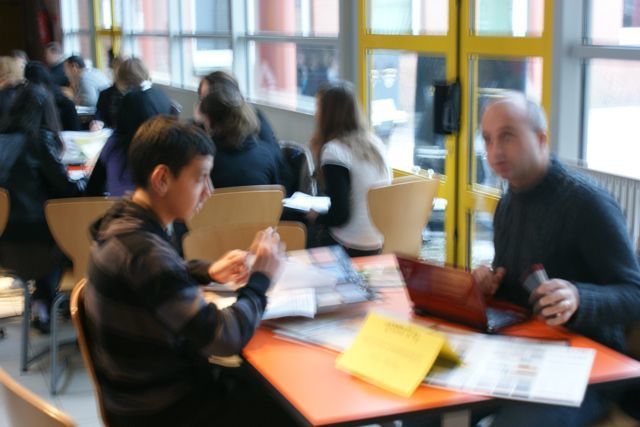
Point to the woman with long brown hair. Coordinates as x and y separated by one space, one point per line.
241 158
350 160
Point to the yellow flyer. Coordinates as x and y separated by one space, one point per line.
394 355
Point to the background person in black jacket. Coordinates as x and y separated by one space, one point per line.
36 72
242 158
11 74
266 133
30 170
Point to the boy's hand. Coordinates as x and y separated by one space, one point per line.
268 250
231 267
555 301
488 280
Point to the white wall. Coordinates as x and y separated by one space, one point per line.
288 125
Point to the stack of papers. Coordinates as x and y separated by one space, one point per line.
311 281
498 366
304 202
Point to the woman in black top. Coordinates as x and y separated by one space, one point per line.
31 171
241 158
265 134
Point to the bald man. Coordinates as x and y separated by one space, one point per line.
553 217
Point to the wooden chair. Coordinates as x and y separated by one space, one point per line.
4 209
78 317
240 205
4 217
25 408
212 242
400 211
69 221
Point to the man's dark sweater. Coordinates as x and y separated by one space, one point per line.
577 231
150 327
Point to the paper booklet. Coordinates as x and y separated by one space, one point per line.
304 202
492 365
311 281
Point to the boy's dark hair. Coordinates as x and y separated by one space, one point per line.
165 141
76 60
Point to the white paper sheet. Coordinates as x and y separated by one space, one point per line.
304 202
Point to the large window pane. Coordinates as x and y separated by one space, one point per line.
290 74
79 44
434 239
105 43
108 18
422 17
515 18
146 16
154 52
294 17
615 22
612 115
481 239
401 107
75 15
202 56
494 76
206 16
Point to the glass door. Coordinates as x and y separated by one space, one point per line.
490 46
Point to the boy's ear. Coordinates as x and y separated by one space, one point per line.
160 179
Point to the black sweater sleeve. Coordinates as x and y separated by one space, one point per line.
338 188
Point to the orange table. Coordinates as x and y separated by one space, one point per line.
306 377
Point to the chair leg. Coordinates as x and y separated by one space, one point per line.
56 370
26 318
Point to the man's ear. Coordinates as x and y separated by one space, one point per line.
160 179
543 140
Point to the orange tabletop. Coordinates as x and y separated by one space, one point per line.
305 375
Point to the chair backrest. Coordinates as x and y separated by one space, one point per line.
300 161
78 317
69 221
400 211
25 408
212 242
4 209
240 205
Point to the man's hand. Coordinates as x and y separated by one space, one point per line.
488 280
555 301
268 250
231 267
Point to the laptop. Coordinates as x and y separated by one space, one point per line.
452 294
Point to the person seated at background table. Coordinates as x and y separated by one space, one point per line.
553 217
151 329
242 159
86 82
351 160
31 171
111 175
20 56
110 98
11 75
265 130
54 59
36 72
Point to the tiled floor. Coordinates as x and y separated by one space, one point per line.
76 397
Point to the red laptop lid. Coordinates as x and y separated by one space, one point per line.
443 291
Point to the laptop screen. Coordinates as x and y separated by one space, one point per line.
444 292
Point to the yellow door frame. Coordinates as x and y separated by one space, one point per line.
463 196
472 197
114 33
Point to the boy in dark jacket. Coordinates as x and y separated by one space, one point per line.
151 330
